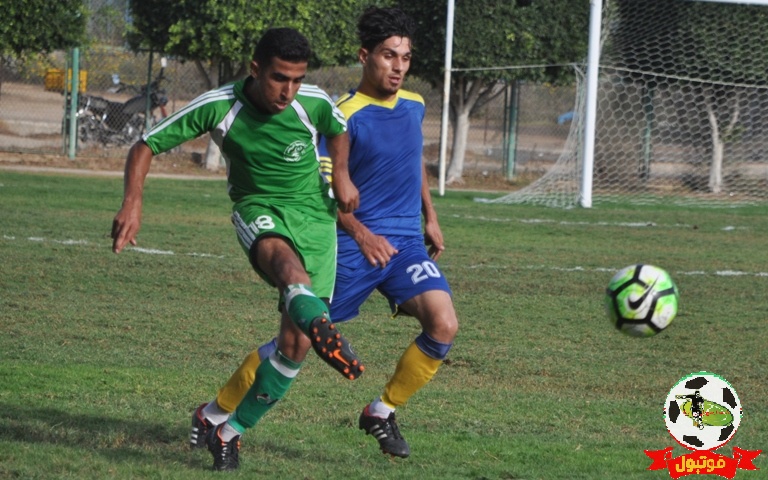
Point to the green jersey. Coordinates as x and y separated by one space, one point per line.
269 157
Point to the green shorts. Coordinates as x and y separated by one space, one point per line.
313 237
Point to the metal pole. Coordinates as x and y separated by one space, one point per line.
512 136
67 99
446 97
74 86
148 92
593 60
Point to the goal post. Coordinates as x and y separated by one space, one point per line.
672 107
590 106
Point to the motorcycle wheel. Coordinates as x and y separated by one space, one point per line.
85 129
133 130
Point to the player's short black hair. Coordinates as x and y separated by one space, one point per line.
378 24
284 43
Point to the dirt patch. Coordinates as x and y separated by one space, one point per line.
186 164
190 164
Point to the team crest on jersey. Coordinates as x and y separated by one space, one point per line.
295 151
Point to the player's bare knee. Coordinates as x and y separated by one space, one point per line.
441 325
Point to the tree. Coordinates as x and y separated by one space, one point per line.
107 22
220 36
494 33
40 26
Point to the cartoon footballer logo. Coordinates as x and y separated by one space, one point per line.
702 413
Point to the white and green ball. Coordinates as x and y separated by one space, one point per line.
641 300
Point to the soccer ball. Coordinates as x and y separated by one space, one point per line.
641 300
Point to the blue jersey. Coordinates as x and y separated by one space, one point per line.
385 162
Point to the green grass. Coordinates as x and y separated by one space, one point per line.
105 356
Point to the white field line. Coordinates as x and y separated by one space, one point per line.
717 273
153 251
148 251
727 228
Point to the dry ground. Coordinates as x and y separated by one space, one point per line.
30 121
189 165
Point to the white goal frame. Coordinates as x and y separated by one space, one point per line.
590 110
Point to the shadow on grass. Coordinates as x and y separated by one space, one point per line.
119 440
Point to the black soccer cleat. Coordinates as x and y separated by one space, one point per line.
334 349
200 428
225 454
385 430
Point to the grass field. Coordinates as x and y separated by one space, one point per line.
105 356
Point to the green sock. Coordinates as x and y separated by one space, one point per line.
303 306
273 378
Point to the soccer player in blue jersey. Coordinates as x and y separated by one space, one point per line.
381 245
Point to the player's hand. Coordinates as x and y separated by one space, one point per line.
377 250
125 227
346 194
433 238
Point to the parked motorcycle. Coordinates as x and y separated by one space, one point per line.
115 123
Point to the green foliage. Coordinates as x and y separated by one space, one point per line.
210 30
723 39
152 21
489 33
108 22
710 52
330 27
733 60
105 356
41 25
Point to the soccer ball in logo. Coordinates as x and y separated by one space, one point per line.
702 411
641 300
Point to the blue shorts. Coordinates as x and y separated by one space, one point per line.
410 272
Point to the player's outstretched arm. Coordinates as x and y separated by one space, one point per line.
433 235
127 222
375 248
344 190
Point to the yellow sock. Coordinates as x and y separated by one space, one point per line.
414 370
237 386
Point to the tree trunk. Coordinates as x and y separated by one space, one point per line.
716 172
459 149
212 156
718 142
462 102
212 153
210 74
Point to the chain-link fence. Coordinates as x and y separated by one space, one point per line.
33 108
522 130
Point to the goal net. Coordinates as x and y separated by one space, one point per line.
681 109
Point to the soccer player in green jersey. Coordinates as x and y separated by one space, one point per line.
284 215
381 246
